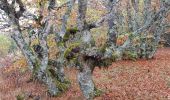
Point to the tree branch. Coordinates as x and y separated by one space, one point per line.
148 24
65 18
100 22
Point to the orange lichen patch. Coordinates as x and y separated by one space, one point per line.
121 39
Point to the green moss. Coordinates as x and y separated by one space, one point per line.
97 92
74 60
60 44
103 48
62 86
70 48
131 55
69 31
104 63
52 72
20 96
72 30
115 55
66 37
36 68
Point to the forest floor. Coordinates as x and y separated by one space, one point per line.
124 80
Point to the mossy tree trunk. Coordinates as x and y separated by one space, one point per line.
38 65
84 78
59 67
112 17
60 41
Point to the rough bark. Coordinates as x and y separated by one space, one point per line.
59 68
112 35
156 17
17 34
147 17
65 18
85 78
135 17
129 16
60 65
158 29
37 65
82 8
85 73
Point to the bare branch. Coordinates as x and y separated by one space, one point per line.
159 15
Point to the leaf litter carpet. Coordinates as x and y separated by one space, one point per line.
123 80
